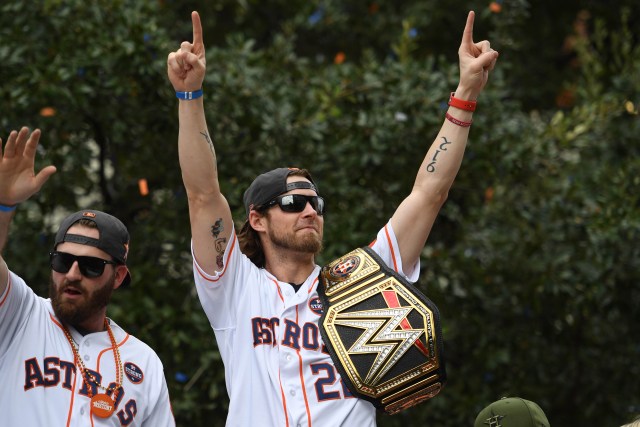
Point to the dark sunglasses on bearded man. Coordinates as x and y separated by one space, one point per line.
296 203
90 267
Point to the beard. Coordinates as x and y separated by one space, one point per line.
309 243
76 312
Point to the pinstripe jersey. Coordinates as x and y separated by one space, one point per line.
40 384
277 369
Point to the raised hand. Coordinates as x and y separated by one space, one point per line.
186 66
18 180
476 60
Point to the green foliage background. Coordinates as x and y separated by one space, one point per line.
534 260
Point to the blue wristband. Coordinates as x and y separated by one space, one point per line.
4 208
189 95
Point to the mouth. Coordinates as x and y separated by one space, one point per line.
308 225
71 292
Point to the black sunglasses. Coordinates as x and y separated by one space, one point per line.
89 266
296 203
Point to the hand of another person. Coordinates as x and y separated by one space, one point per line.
18 180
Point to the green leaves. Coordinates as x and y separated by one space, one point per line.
533 260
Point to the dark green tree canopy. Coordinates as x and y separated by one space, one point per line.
533 261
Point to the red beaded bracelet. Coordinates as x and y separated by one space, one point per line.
461 104
457 122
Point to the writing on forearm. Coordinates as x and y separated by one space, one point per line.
218 241
431 167
209 143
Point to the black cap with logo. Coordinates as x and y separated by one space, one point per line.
270 185
113 239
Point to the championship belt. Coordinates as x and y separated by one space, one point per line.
382 333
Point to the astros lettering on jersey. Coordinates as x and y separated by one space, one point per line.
41 385
278 371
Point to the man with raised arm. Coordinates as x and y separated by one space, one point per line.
63 362
259 286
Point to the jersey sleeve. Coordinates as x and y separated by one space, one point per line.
386 246
221 292
161 412
16 304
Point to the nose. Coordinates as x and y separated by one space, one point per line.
74 272
309 210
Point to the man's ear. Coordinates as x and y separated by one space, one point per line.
121 273
257 221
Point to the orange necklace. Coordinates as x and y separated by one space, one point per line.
102 405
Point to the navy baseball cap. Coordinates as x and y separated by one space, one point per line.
113 239
270 185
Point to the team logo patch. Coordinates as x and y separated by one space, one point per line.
133 372
315 304
344 268
494 421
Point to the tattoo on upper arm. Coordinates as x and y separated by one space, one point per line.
431 167
219 242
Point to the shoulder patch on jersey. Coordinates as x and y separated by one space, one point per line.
315 304
133 372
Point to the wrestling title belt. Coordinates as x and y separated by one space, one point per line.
383 334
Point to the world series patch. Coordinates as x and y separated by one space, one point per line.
315 304
133 372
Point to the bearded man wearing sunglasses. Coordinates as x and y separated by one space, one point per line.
265 296
62 361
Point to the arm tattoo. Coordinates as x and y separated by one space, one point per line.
219 242
431 167
209 143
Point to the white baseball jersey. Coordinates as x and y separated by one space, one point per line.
40 385
278 371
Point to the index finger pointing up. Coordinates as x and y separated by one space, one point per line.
197 28
467 35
